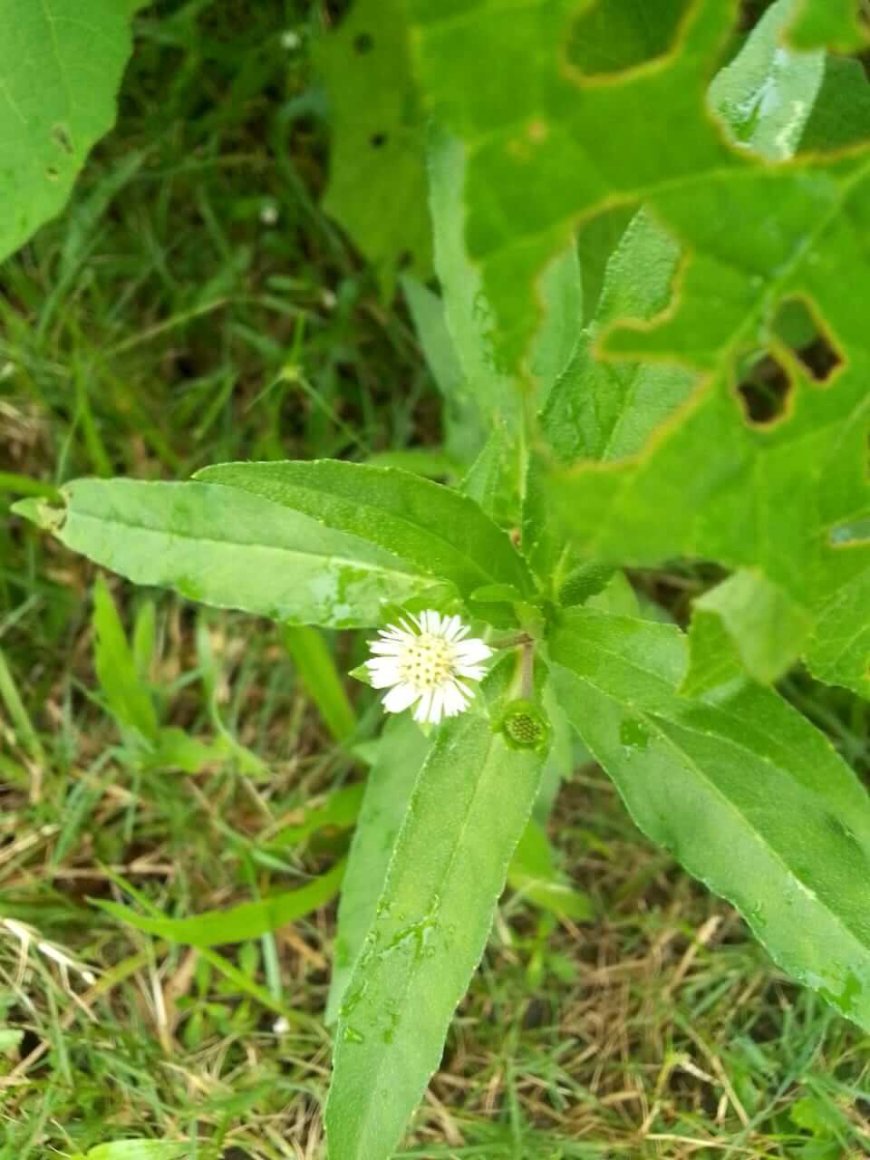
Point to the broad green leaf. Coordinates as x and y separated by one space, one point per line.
400 753
841 114
431 527
469 808
316 667
561 293
834 24
744 792
125 692
248 920
719 489
60 68
744 625
226 547
607 37
537 163
493 480
377 153
607 410
136 1150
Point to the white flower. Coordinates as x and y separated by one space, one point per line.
428 659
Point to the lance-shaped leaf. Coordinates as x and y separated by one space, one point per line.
60 68
747 795
224 546
433 528
469 807
248 920
400 754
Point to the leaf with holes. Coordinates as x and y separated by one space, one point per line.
722 475
377 156
60 68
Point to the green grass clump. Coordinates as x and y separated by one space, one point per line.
193 305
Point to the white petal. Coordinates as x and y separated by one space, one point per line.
400 697
384 675
454 629
470 672
423 710
455 699
387 648
472 652
437 710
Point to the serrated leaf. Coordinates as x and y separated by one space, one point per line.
234 924
430 526
746 625
468 810
747 795
400 753
226 547
60 68
377 153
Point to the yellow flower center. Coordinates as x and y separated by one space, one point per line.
427 662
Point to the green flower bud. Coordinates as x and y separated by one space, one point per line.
524 726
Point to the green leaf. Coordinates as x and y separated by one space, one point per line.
226 547
377 153
745 793
606 410
766 94
534 875
249 920
316 667
136 1150
126 694
400 753
833 24
60 68
744 625
841 114
339 811
537 161
607 38
469 318
469 807
431 527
